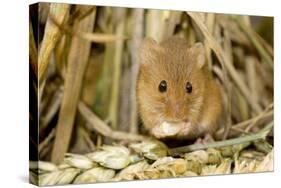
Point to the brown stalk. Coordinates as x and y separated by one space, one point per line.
93 37
251 76
117 60
228 52
138 16
47 140
53 108
51 36
77 63
33 51
101 127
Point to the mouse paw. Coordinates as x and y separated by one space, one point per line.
165 130
206 139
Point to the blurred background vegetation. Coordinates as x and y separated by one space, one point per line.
86 61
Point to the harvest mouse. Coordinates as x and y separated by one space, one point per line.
177 96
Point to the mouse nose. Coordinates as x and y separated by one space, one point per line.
176 108
174 112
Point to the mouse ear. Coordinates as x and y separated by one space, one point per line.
148 51
198 51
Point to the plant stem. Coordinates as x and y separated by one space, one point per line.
117 62
77 63
136 41
249 138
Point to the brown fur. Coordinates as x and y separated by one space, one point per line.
176 62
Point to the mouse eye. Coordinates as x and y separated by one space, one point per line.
188 87
162 86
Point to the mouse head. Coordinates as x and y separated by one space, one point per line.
172 80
